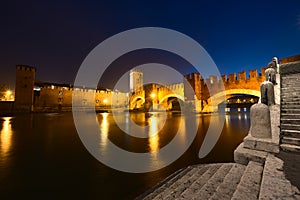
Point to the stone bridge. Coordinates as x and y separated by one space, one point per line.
204 94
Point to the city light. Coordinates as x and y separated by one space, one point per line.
8 96
105 101
153 95
8 93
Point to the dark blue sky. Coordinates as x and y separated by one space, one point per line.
55 36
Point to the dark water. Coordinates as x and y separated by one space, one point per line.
41 155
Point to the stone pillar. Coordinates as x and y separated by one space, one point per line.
277 89
260 121
267 93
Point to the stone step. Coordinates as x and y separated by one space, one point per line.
290 82
291 85
178 182
290 106
291 140
226 189
175 193
294 75
286 80
286 110
212 184
290 78
249 186
290 99
290 88
290 116
290 133
159 188
291 74
286 126
290 103
244 156
290 121
190 192
290 96
274 184
289 91
290 148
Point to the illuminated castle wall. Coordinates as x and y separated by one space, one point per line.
37 96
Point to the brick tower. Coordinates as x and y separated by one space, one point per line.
195 90
25 76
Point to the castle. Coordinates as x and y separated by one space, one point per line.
31 95
37 96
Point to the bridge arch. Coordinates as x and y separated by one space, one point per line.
218 98
170 95
134 100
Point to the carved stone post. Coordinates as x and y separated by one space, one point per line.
260 121
267 93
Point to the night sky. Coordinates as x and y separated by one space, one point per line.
56 36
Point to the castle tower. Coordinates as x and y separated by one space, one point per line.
194 90
193 81
25 76
135 80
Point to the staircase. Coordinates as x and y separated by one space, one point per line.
290 108
212 181
227 181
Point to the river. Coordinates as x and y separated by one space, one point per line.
41 154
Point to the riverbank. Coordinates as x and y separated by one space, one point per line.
270 180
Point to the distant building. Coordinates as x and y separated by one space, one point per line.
25 77
135 80
38 96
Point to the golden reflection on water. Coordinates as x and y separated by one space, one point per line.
104 128
5 137
153 136
182 130
227 119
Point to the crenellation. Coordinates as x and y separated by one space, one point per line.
232 78
242 76
26 68
224 78
253 74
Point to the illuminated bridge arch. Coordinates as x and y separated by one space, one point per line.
170 95
220 97
134 100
